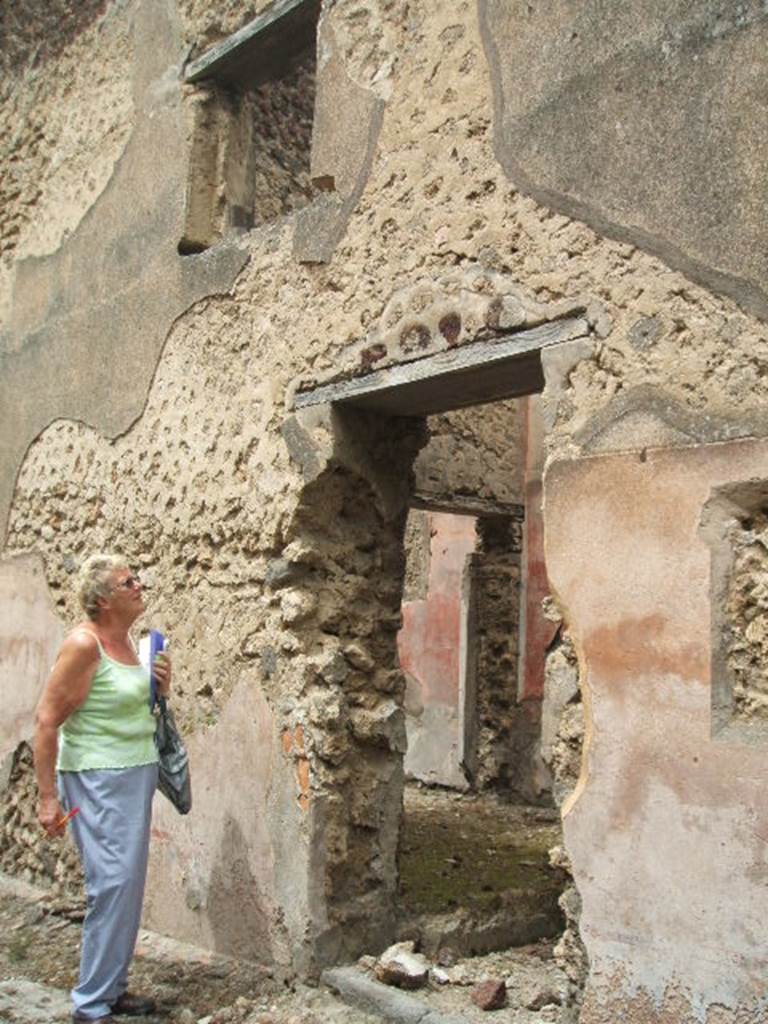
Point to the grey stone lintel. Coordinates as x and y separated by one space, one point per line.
484 371
466 505
261 50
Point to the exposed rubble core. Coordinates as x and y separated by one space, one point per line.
747 616
563 734
25 851
505 734
204 24
282 118
472 453
341 602
562 750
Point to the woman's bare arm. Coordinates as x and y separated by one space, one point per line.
67 687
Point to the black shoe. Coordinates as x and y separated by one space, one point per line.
129 1005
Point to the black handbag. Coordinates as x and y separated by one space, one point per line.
173 776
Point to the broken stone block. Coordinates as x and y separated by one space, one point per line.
511 313
296 606
281 573
384 726
401 967
358 657
446 956
489 995
541 994
462 974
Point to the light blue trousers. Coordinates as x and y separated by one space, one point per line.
112 835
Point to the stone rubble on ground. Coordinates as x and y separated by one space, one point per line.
527 981
401 966
489 995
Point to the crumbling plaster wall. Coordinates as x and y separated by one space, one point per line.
64 121
204 485
663 805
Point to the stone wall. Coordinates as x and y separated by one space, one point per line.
24 850
507 737
747 615
146 404
473 453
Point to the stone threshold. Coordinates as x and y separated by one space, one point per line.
391 1004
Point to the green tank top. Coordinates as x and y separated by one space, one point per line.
113 727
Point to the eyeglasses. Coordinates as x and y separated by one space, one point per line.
129 583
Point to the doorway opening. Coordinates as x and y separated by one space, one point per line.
419 753
479 818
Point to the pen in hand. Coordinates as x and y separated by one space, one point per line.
66 818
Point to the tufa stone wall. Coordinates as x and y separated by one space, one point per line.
747 616
24 849
505 736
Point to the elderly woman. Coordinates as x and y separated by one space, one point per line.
94 726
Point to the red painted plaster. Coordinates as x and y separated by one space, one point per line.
428 642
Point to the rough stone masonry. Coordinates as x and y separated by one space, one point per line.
476 169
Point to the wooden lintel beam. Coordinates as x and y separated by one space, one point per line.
485 371
262 48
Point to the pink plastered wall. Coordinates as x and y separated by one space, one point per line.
429 649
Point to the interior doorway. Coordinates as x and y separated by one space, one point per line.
495 763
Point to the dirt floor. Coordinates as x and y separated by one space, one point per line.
475 872
462 860
40 944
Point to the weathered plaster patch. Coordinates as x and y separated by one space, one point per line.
648 417
60 136
30 635
115 287
633 161
345 133
218 877
657 812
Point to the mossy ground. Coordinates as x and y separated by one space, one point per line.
459 851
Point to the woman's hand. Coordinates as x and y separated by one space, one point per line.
161 667
50 814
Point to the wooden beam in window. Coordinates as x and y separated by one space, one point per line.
263 49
